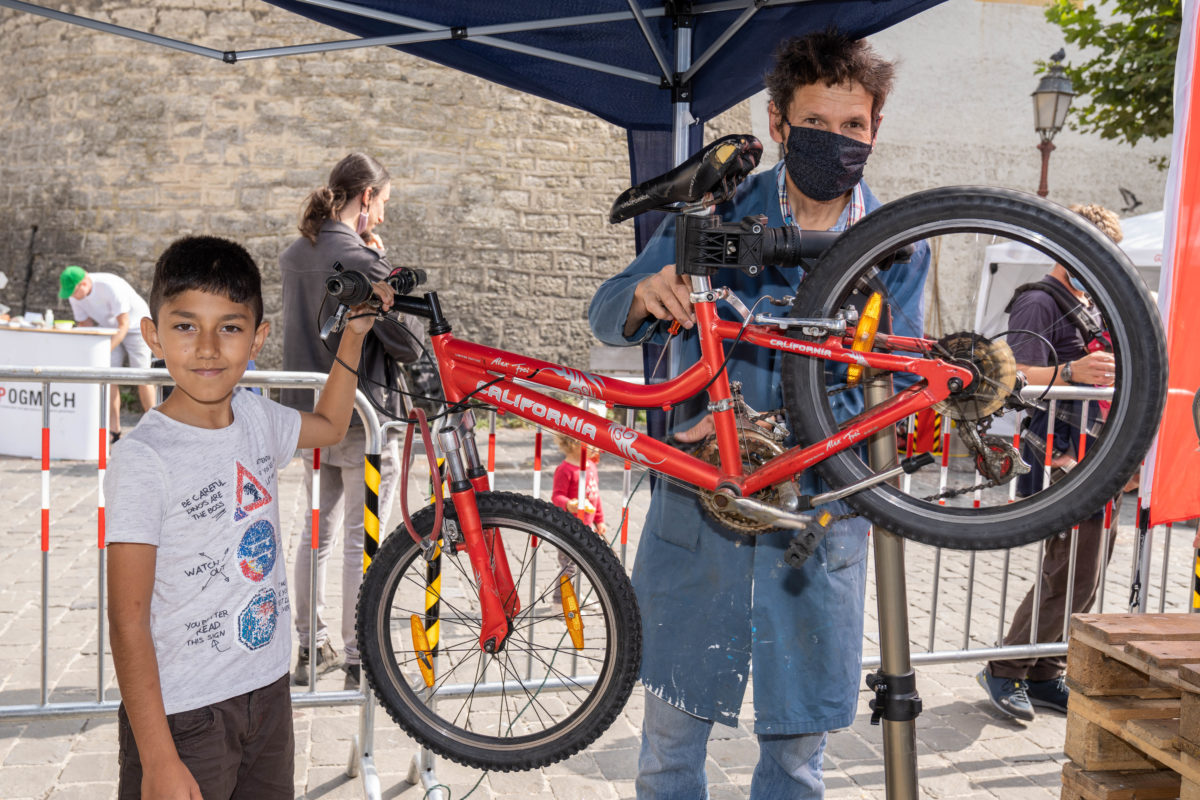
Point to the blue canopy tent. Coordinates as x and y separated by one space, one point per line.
658 68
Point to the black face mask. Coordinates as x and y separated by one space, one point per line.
824 165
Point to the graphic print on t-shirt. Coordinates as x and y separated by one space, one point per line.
257 551
207 502
256 622
208 632
251 494
210 568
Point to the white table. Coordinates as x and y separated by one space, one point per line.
74 407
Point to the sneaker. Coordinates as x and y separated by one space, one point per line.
1007 695
327 661
353 675
1050 694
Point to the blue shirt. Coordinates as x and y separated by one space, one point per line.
712 600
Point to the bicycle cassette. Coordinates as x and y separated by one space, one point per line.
994 370
757 447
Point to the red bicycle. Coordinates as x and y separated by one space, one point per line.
481 646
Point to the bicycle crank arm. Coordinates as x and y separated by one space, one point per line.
757 510
908 465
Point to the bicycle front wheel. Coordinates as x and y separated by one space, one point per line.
562 675
972 502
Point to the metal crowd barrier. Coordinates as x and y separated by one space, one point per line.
362 758
361 763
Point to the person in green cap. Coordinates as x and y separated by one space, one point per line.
108 301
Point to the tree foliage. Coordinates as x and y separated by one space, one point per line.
1127 84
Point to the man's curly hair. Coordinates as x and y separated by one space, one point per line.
831 58
1102 218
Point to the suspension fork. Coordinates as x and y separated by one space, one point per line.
477 475
494 623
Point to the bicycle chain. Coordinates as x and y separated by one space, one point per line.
943 495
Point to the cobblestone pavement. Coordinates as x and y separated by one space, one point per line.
964 749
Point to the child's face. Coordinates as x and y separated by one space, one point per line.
572 450
207 340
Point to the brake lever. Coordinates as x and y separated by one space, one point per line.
335 321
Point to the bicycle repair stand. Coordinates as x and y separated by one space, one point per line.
894 683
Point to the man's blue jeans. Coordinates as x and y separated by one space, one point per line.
675 745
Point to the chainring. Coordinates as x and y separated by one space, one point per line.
994 370
757 447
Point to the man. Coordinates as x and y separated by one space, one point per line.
713 601
108 301
1060 354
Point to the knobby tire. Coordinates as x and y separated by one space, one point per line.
1113 284
526 725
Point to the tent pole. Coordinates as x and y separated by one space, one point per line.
116 30
681 103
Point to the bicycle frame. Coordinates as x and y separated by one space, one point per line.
471 369
510 381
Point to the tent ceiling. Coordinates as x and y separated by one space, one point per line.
613 58
616 59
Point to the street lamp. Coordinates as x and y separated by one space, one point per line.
1051 101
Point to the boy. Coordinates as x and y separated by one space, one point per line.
198 606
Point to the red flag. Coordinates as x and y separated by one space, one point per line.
1173 464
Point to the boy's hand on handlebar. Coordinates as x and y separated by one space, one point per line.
662 295
362 316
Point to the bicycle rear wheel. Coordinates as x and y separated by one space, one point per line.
966 509
544 696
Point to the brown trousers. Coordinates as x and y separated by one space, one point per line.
1094 549
238 749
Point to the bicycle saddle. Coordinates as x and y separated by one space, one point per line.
714 170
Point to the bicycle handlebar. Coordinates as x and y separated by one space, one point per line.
350 287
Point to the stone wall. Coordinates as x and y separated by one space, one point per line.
111 148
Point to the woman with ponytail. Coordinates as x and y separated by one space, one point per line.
338 226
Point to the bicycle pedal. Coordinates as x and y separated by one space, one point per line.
805 543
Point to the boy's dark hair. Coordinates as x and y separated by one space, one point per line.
831 58
207 264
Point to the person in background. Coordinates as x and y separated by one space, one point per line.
338 227
108 301
714 602
1061 355
565 494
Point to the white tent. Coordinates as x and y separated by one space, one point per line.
1010 264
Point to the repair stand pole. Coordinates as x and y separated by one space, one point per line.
894 684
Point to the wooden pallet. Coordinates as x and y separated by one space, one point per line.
1133 722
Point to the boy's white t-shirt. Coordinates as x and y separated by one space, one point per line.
208 500
110 297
